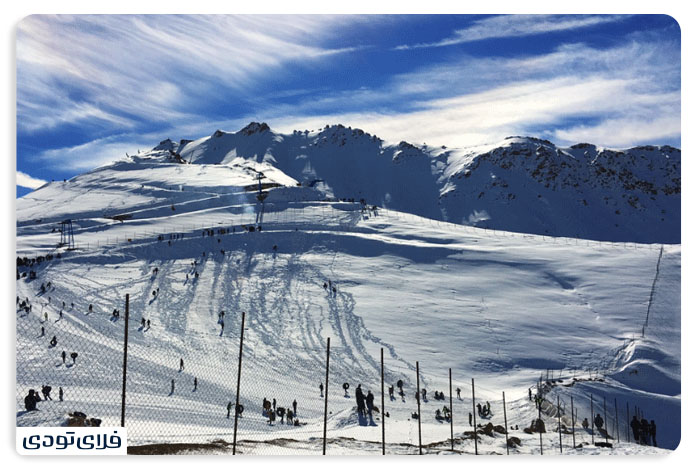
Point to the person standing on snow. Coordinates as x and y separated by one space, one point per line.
370 400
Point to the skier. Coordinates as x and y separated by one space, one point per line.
142 322
644 432
321 390
290 416
63 356
54 340
530 394
459 391
172 391
89 310
360 400
181 364
73 355
391 392
424 392
60 314
45 316
635 427
585 423
46 390
148 324
195 384
346 386
598 422
229 408
30 401
274 404
400 384
60 393
281 412
43 331
294 406
488 407
370 400
325 286
478 409
653 432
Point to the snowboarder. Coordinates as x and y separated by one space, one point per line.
30 401
229 408
181 364
73 355
63 354
195 384
46 390
321 390
653 432
60 393
294 406
370 400
54 341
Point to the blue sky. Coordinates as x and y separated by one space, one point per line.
91 88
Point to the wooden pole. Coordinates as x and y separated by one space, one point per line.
239 381
381 355
418 399
125 364
558 409
592 416
507 442
572 418
326 391
473 404
451 411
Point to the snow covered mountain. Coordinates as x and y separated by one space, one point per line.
500 307
520 184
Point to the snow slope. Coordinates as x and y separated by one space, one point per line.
499 307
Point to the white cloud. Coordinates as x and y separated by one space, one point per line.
120 69
517 26
94 153
27 181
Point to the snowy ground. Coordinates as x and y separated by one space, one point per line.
498 307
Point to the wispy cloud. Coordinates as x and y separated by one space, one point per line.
94 153
123 69
516 26
27 181
481 100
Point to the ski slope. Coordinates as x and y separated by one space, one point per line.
499 307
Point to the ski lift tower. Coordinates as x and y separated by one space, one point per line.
261 195
66 235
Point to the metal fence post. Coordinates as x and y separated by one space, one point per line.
381 358
451 410
541 441
618 426
628 423
507 442
473 404
239 380
326 391
125 364
418 399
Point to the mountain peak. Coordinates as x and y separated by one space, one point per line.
255 127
